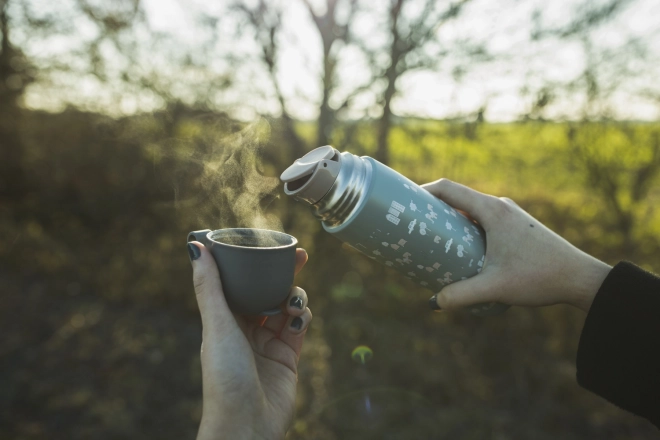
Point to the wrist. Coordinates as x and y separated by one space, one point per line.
217 430
589 276
219 422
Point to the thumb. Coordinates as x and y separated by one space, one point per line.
216 316
461 197
478 289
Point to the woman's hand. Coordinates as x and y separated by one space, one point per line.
526 263
249 363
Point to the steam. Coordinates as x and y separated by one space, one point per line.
230 189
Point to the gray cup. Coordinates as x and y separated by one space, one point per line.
256 266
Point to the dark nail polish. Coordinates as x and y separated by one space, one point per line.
297 323
193 252
296 302
433 303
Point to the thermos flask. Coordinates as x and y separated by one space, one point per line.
390 219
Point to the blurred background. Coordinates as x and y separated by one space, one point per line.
124 124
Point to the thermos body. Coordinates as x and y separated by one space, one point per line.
403 226
394 221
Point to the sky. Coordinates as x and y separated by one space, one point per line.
503 26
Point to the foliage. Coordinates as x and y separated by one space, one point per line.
100 328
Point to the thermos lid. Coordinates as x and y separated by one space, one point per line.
311 177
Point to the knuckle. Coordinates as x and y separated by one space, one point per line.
443 184
509 202
498 207
438 186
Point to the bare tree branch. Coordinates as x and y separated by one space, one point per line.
266 22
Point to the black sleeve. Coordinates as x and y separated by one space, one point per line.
618 356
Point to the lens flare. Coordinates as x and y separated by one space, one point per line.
362 354
363 412
367 403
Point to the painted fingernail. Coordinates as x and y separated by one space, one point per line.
296 323
193 252
433 303
296 302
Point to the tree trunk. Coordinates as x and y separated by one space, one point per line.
385 122
325 121
326 114
382 142
12 176
396 53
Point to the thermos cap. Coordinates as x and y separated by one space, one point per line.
307 164
311 177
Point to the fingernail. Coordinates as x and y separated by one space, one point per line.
433 303
297 323
193 252
296 302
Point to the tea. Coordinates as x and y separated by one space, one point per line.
248 241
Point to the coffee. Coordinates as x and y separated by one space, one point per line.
248 241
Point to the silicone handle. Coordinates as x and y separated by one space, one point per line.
201 236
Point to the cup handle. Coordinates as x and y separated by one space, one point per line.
200 236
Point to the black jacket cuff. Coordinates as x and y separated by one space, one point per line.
619 351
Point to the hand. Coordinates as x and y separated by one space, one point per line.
249 363
526 263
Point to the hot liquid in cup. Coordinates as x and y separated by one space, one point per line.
250 238
252 242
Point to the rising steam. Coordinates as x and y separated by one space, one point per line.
230 187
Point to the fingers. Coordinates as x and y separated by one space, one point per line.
301 259
293 334
478 289
296 302
294 305
216 316
461 197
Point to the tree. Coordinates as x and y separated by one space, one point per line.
332 32
409 36
16 73
622 179
620 162
266 23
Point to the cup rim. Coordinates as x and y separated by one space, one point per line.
294 240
